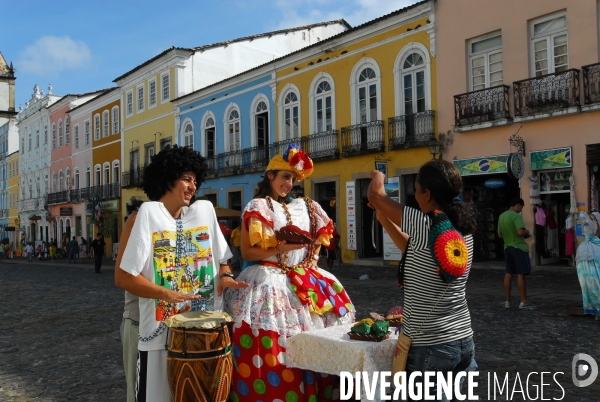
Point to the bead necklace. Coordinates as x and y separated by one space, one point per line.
313 231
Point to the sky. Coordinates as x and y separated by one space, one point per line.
83 46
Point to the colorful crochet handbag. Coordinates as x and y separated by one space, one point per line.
448 248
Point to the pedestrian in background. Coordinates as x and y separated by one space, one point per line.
511 230
332 249
29 252
436 316
236 243
588 263
73 250
98 250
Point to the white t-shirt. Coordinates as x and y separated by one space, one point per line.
152 251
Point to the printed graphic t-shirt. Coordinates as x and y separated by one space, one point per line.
182 255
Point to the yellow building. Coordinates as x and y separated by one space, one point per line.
12 161
363 97
106 164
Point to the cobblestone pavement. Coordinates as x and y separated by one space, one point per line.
59 338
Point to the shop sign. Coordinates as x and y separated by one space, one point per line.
551 159
485 165
494 183
110 206
9 229
515 166
350 215
391 252
66 211
89 208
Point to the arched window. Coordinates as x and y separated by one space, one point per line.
61 178
209 148
323 107
115 120
413 84
233 130
88 176
365 92
105 124
76 179
67 130
96 127
76 135
116 171
188 135
97 176
106 173
367 96
68 179
260 124
291 116
60 133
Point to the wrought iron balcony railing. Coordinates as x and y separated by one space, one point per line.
547 93
591 83
322 146
59 197
132 178
76 196
103 192
413 130
229 161
362 138
280 147
255 157
481 106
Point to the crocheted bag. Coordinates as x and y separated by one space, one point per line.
448 248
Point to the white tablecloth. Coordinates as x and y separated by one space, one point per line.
331 351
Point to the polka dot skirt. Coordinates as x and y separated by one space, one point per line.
261 373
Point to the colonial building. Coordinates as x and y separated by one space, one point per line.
11 231
363 97
33 123
522 87
148 116
9 141
60 203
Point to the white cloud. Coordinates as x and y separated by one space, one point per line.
51 54
356 12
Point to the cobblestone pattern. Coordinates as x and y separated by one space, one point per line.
59 338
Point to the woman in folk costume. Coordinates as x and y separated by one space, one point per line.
588 263
288 293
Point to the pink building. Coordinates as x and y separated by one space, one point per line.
60 205
518 96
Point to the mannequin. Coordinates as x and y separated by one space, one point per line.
534 189
570 237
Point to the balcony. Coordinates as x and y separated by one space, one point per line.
76 196
60 197
412 130
484 105
362 138
27 205
132 178
102 192
591 83
229 162
547 94
255 158
322 146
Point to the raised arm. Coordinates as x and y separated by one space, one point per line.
381 202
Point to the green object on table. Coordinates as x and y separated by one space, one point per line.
380 328
363 329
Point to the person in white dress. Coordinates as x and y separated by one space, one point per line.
288 293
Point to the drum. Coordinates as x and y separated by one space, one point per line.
199 357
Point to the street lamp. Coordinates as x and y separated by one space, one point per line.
434 147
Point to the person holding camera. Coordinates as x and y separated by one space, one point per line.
512 230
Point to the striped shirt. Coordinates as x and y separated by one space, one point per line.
450 319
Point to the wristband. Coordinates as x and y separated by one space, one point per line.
228 273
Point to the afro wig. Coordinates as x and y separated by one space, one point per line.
167 166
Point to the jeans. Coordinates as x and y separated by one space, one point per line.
73 256
455 356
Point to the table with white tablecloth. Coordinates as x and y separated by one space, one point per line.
330 350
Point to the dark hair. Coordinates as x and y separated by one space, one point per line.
443 181
516 201
167 166
264 188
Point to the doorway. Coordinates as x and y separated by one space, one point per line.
371 236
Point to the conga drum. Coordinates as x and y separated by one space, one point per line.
199 357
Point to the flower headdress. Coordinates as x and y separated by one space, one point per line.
448 248
293 159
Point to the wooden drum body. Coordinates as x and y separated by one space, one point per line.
199 359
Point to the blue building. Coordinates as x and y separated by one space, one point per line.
232 124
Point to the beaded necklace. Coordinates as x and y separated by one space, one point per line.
313 231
